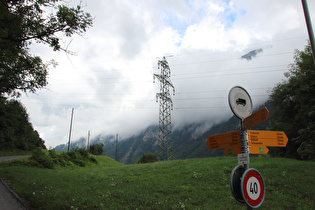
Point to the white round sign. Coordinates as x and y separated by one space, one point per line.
240 102
253 188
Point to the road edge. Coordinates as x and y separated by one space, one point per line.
20 201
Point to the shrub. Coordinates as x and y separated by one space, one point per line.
51 159
40 159
97 149
75 157
58 159
93 160
83 152
147 158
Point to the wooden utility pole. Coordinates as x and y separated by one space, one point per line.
88 144
70 129
116 146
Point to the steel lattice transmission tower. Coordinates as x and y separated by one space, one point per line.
165 147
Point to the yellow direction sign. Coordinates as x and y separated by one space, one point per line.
267 138
258 150
233 150
256 118
252 150
224 140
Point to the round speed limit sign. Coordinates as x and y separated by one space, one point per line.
253 188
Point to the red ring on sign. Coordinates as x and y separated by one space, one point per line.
247 175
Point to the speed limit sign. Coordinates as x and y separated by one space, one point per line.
253 188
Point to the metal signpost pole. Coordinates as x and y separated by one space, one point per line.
309 27
245 151
244 142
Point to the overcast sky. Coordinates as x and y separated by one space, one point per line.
109 82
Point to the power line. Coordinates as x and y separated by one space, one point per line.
211 91
225 70
206 107
141 82
228 59
224 75
174 55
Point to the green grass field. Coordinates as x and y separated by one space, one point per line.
180 184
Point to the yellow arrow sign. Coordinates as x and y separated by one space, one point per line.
256 118
224 140
252 150
233 150
258 150
267 138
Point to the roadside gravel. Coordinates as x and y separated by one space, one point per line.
9 200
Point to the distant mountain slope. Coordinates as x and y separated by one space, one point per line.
187 142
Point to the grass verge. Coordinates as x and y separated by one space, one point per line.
181 184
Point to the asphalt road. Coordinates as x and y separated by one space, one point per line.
9 200
7 158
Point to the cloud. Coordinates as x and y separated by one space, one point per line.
110 80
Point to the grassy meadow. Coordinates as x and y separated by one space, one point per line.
179 184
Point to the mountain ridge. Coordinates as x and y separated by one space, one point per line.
187 143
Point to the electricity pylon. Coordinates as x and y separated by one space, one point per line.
165 147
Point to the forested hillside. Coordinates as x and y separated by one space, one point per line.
16 132
294 101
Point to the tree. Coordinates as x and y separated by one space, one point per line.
23 22
97 149
15 130
147 158
294 103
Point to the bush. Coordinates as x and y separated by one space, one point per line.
58 159
147 158
77 157
83 152
93 160
40 159
97 149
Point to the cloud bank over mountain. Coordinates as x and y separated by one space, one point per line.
109 82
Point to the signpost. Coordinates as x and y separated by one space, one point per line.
253 188
258 150
236 178
224 140
247 185
243 158
233 150
240 102
267 138
255 119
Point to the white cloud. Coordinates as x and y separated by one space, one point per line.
110 80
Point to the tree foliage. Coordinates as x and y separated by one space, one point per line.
147 158
15 130
97 149
294 101
23 22
41 159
